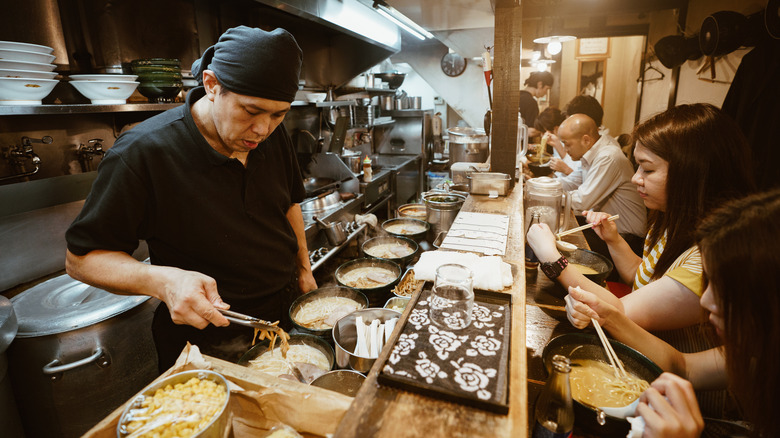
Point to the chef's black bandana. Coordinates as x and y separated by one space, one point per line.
254 62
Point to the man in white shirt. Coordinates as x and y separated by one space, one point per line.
603 181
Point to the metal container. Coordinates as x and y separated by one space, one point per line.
323 202
345 338
346 382
486 183
214 429
414 211
442 209
323 292
352 160
80 353
10 423
468 145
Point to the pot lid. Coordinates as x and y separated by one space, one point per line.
464 134
8 324
63 304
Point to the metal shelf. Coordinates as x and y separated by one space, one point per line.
24 110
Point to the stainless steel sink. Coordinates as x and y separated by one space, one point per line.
392 161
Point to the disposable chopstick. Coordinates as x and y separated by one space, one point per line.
585 227
611 355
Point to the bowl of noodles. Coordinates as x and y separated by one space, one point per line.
308 354
593 382
410 228
373 277
591 264
396 249
317 311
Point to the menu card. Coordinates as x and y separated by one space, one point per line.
482 233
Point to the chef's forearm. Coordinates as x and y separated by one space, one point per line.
295 217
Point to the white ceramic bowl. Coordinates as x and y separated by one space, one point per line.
21 65
106 92
29 74
316 97
22 91
26 56
105 77
13 45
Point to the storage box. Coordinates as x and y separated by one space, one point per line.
489 183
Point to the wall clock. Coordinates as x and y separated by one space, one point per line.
453 64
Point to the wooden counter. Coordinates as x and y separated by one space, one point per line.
379 411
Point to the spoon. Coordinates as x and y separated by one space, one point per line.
565 246
622 412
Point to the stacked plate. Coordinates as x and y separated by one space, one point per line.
160 78
26 73
105 89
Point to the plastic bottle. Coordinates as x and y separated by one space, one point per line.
367 172
531 261
554 411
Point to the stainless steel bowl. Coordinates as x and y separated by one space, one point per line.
413 211
323 292
345 338
346 382
216 426
322 202
376 295
383 240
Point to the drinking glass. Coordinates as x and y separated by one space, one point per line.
452 297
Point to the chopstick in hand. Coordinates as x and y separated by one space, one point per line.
611 355
585 227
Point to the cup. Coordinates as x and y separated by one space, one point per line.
452 297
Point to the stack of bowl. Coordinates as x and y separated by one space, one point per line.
105 89
160 78
26 73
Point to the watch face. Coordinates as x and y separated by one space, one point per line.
453 64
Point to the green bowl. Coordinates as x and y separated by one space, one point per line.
140 69
157 61
155 91
159 76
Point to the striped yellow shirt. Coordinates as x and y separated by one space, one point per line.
686 269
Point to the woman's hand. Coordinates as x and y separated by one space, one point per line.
669 409
606 230
542 241
582 305
559 165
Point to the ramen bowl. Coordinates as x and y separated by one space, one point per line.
325 292
593 265
296 339
346 382
105 92
345 338
414 211
588 346
410 228
134 410
384 247
376 295
23 91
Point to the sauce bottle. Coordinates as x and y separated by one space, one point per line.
367 173
554 411
531 261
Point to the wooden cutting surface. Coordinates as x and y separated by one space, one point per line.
380 411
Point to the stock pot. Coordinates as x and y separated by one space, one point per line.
79 353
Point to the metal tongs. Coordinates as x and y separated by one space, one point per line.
248 321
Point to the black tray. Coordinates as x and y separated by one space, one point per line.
483 384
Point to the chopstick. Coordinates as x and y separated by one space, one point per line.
611 355
584 227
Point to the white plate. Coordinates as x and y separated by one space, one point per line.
15 91
13 45
105 92
26 56
29 74
21 65
104 77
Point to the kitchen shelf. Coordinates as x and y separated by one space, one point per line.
367 90
23 110
336 103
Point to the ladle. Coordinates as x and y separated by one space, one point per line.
565 247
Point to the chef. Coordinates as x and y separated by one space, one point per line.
213 187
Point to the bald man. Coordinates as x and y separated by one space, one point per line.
603 181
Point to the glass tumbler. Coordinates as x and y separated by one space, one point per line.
452 297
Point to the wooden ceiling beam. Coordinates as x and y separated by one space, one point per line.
571 8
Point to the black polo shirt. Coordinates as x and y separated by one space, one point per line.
529 108
197 209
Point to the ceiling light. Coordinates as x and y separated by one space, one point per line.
558 38
536 54
554 47
401 20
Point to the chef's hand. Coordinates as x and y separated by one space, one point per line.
306 282
542 241
606 230
582 305
670 409
192 298
559 165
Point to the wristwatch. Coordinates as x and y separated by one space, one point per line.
553 269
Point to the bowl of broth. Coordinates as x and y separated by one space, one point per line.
396 249
317 311
593 382
310 354
375 278
591 264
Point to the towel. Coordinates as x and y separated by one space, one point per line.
490 272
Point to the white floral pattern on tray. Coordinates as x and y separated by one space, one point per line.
463 364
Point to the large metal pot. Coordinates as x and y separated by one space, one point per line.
442 208
80 352
10 423
468 145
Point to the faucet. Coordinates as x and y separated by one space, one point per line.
87 153
19 155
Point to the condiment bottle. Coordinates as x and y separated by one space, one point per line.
367 173
531 261
554 413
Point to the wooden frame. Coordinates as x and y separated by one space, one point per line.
592 48
592 77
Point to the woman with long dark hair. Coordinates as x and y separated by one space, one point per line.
738 243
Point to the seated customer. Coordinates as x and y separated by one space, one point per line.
603 181
548 122
738 244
